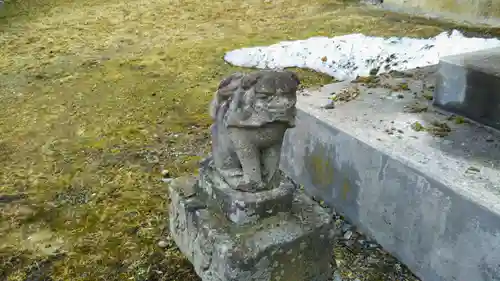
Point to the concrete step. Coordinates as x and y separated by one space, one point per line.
423 184
469 84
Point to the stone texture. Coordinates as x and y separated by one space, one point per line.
295 245
241 219
467 84
433 202
251 114
243 207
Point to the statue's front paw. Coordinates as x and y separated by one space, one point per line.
247 185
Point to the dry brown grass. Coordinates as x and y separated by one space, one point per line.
97 97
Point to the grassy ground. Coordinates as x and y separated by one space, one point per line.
97 97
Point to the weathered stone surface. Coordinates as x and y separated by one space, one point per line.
295 245
241 219
243 207
431 201
468 85
251 114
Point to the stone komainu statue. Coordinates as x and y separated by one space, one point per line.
240 219
251 113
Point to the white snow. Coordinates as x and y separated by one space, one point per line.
346 57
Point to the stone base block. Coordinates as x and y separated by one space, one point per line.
467 85
293 246
243 207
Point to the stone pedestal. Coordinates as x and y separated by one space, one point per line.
242 207
230 235
467 85
241 219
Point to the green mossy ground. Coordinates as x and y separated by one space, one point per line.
98 97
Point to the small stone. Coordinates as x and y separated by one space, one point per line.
472 169
162 244
331 105
165 174
152 159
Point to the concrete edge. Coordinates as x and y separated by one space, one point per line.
432 15
437 233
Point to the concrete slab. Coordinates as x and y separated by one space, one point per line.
425 185
468 84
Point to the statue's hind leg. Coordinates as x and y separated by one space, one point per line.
223 154
270 163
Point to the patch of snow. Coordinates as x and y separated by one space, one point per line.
346 57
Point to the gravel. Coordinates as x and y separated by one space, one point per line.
360 258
